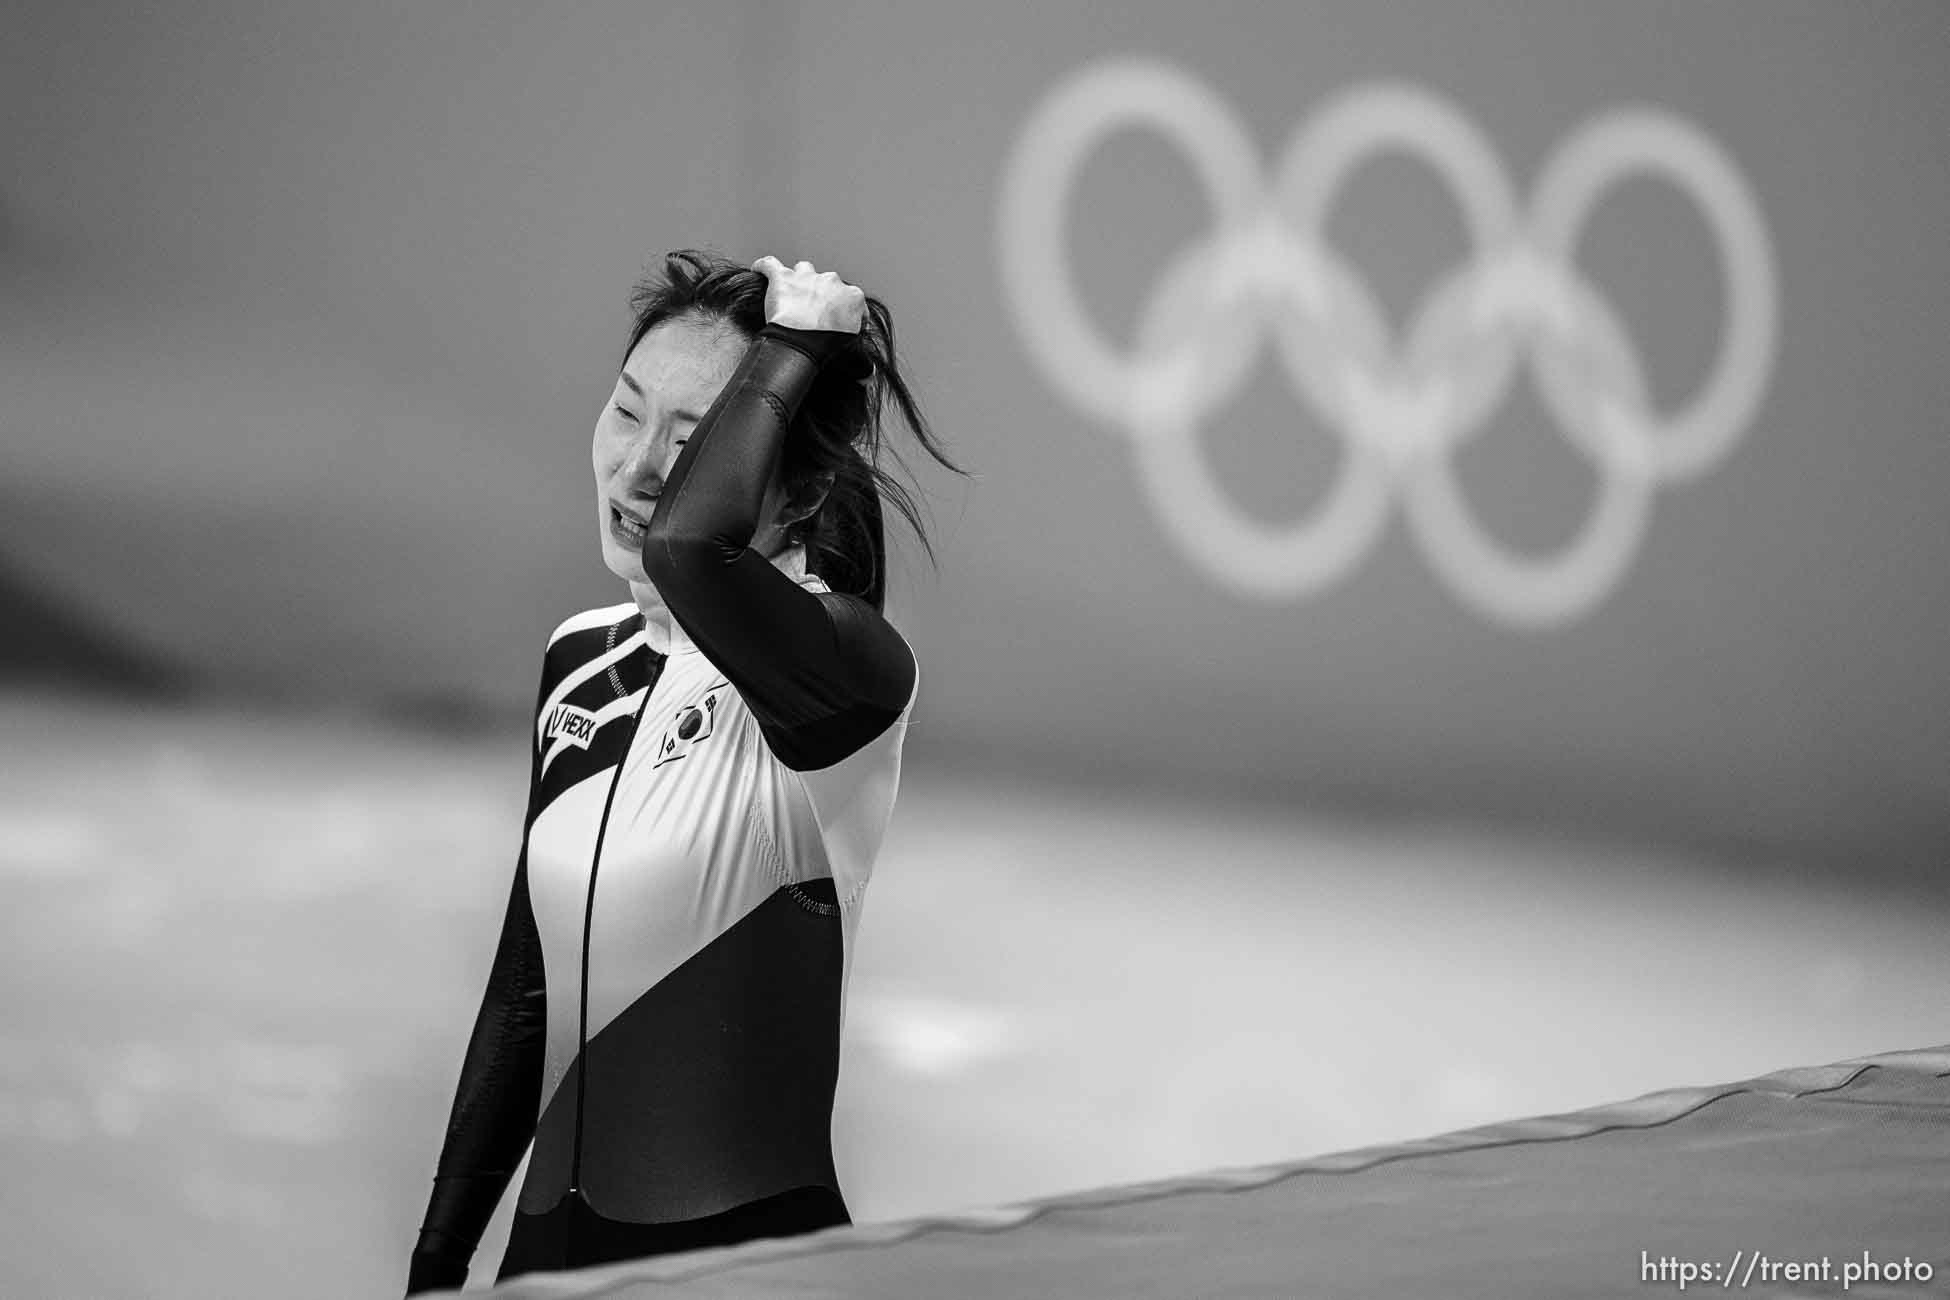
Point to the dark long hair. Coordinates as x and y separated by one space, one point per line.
838 426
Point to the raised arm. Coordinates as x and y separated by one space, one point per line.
822 672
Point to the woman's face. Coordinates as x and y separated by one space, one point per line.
668 382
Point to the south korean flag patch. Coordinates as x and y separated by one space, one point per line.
689 726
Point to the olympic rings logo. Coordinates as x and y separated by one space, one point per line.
1402 412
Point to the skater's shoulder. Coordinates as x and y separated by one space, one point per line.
600 619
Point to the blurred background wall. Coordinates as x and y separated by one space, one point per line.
307 313
307 316
1212 847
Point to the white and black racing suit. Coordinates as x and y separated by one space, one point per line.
663 1014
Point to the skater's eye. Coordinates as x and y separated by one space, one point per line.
626 413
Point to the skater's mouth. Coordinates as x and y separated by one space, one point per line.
626 526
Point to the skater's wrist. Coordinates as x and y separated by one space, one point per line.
439 1264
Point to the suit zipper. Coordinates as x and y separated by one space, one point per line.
588 915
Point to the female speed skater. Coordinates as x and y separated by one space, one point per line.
713 765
